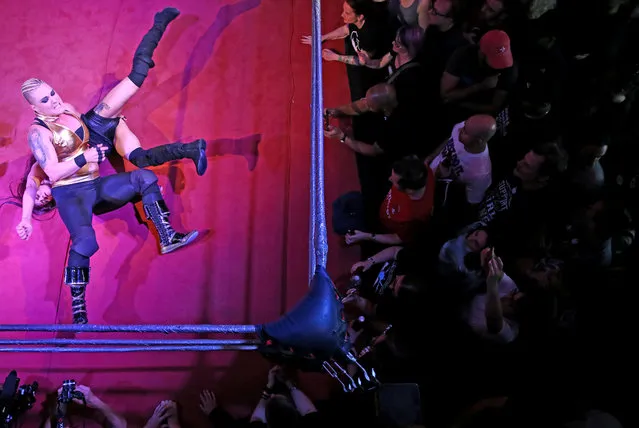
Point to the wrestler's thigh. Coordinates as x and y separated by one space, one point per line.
115 191
75 204
116 98
125 140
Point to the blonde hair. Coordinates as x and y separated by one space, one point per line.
30 85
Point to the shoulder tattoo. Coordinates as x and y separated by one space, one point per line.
35 143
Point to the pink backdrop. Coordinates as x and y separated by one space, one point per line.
233 72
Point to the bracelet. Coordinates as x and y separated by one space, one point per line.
80 160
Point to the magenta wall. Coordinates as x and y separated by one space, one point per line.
232 72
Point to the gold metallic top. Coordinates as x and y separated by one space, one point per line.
67 145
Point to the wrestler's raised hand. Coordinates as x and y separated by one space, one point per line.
96 154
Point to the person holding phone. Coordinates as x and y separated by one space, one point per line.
495 314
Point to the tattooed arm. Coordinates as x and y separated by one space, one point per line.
42 148
365 59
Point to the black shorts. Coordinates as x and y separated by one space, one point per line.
101 129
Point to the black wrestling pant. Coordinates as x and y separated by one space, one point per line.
101 129
77 202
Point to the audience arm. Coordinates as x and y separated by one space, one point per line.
388 238
450 93
303 404
499 99
494 314
338 33
352 109
423 12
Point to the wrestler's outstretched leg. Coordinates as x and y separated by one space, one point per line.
128 146
113 102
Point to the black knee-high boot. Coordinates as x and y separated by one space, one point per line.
143 57
170 240
195 151
77 279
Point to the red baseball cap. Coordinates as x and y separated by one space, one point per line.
495 44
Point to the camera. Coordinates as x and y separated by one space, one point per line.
15 399
65 396
68 392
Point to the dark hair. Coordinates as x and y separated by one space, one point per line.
472 261
489 241
18 192
555 159
361 7
411 38
458 10
412 171
280 413
411 288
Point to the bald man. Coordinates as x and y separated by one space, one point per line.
464 157
399 134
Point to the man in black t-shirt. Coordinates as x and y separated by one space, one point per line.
443 37
517 206
398 136
479 78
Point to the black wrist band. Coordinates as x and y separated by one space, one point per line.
80 160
